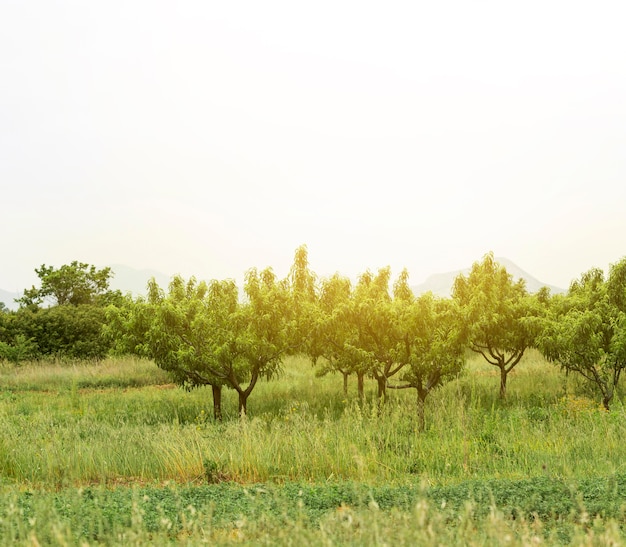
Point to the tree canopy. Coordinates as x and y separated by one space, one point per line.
495 311
585 331
71 284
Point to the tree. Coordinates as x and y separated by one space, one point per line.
71 326
204 335
378 330
74 284
358 331
330 332
186 331
304 302
495 311
433 347
585 331
268 334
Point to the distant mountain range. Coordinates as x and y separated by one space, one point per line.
441 284
127 279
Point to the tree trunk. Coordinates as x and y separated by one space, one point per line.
360 384
606 399
382 391
243 403
503 374
345 383
421 400
217 402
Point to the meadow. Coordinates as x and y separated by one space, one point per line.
113 453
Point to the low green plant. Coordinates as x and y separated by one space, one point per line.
536 511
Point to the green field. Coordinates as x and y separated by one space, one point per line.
113 453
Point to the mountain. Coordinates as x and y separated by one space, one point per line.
9 299
127 279
441 283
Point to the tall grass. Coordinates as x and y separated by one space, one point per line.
113 453
59 375
55 431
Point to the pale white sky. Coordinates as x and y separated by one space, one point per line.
204 137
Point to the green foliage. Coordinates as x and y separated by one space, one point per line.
20 349
433 346
71 284
71 327
204 335
359 331
495 314
585 332
330 331
59 332
477 513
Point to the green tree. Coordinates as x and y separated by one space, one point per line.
187 331
331 331
495 312
358 331
304 303
378 331
268 330
433 347
204 335
71 284
585 331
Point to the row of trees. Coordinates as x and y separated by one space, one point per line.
208 334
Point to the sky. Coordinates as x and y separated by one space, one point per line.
206 138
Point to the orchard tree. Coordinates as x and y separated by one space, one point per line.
186 331
71 284
495 312
378 330
433 347
331 332
204 335
268 330
585 331
358 330
304 302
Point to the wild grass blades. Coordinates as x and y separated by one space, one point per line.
118 432
303 428
59 375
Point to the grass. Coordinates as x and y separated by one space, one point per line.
119 426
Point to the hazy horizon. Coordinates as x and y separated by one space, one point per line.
205 139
